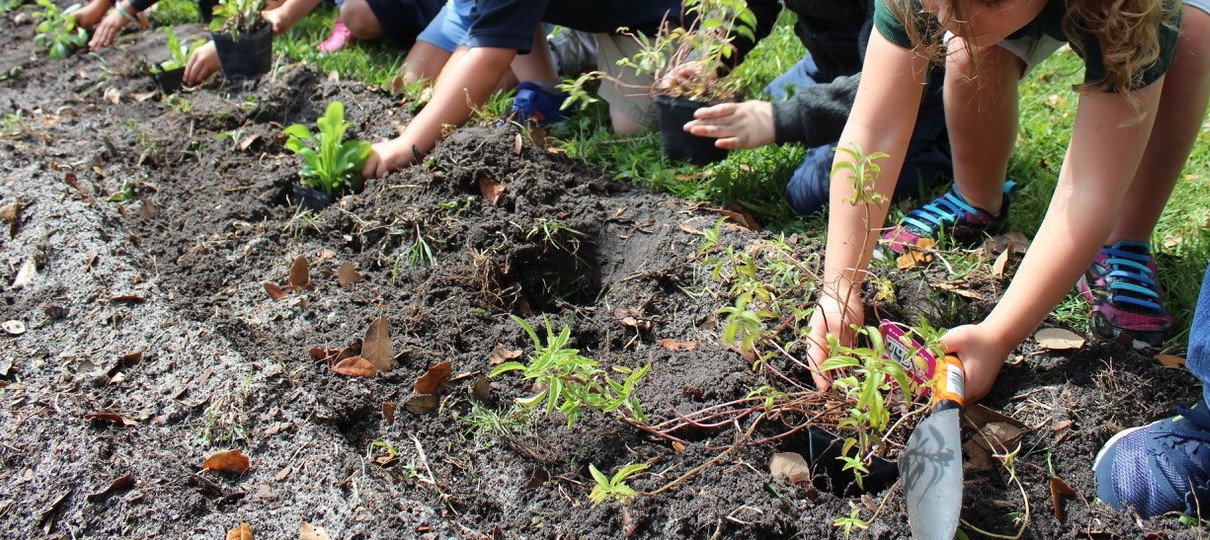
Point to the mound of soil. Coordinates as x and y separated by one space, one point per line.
138 260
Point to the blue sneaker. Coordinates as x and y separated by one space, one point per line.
1158 468
948 215
537 105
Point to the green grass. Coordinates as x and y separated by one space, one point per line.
754 179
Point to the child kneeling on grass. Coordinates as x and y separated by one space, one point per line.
1139 111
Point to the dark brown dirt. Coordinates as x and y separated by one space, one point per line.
153 308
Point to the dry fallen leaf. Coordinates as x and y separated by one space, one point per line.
388 412
275 292
123 482
243 532
113 95
1059 490
1001 262
13 327
355 366
310 532
492 190
300 274
142 96
690 229
26 274
517 144
998 437
912 259
376 346
959 289
227 460
977 457
433 381
10 211
790 465
111 417
1170 360
482 389
674 345
248 141
1058 339
421 403
502 354
347 275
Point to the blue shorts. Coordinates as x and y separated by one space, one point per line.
448 30
403 20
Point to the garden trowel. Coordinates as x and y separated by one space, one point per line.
931 463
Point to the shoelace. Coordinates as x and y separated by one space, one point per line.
942 212
1130 279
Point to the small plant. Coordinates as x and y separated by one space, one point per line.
850 522
571 382
237 16
57 32
699 53
178 53
7 6
614 488
330 163
551 233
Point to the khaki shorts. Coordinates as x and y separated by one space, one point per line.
632 96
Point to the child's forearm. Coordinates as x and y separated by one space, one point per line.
462 88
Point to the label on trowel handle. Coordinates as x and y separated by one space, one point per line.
950 382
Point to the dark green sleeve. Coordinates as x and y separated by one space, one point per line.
1095 69
889 26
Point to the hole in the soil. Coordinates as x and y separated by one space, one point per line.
553 275
821 449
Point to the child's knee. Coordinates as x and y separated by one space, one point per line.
360 19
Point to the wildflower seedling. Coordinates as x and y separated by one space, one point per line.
58 32
330 163
178 53
615 488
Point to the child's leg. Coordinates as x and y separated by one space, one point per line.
630 105
1179 118
360 19
981 116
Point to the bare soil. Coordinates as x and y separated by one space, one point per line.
151 342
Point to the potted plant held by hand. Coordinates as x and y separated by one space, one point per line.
690 66
242 39
331 165
167 74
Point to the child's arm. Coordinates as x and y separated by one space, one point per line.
282 18
1100 164
464 85
883 116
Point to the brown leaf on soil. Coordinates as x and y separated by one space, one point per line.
1059 490
243 532
790 465
26 274
690 229
482 389
347 275
90 258
998 437
433 381
674 345
912 259
112 417
959 289
113 95
320 353
1170 360
227 460
740 217
248 141
10 211
1001 262
13 327
421 403
123 482
977 457
300 274
275 292
502 354
1058 339
376 346
355 366
492 190
128 298
517 144
388 412
142 96
306 531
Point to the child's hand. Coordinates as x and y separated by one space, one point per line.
388 156
982 355
831 317
107 30
735 125
280 19
201 65
680 75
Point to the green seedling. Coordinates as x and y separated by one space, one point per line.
330 163
615 488
571 382
237 16
58 33
178 53
850 522
7 6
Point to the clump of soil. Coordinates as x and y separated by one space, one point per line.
137 261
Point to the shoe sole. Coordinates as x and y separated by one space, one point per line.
1100 327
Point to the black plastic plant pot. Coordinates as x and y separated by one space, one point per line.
673 113
310 199
245 55
168 81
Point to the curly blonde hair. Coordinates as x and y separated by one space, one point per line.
1128 32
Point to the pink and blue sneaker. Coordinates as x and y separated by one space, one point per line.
950 216
1127 301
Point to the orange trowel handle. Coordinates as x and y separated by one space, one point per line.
948 381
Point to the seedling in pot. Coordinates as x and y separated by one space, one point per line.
57 31
237 16
178 53
330 163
